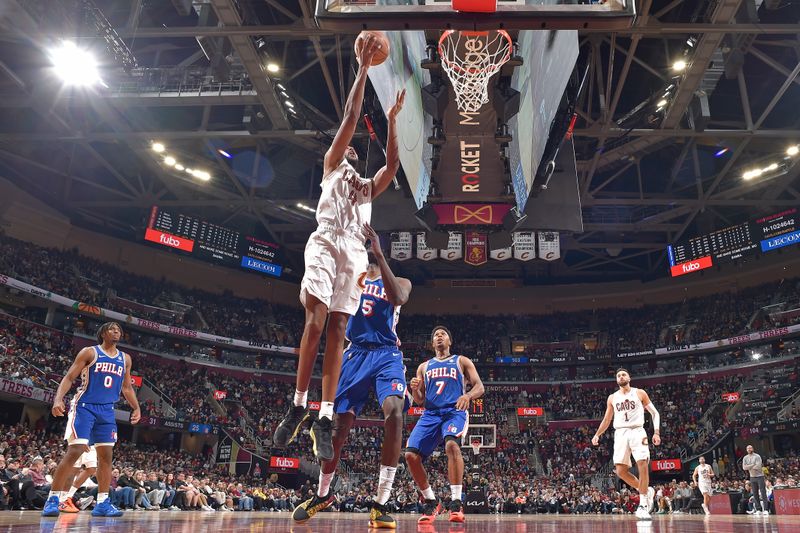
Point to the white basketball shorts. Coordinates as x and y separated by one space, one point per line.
705 488
336 264
87 459
630 441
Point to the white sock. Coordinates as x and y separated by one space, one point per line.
455 492
56 493
326 410
428 494
324 483
300 398
644 501
101 497
71 492
385 482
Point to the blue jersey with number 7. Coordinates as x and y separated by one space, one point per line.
444 383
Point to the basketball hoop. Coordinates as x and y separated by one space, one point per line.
476 446
470 59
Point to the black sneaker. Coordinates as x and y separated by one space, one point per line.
290 426
379 517
456 511
430 510
322 437
310 507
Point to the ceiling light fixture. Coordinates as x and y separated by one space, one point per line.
169 161
662 103
793 150
224 153
75 66
273 67
178 166
679 65
157 147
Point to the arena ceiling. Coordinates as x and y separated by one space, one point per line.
649 174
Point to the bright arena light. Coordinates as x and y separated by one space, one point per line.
273 67
679 65
178 166
202 175
793 150
662 103
224 153
74 66
169 161
750 174
158 147
773 166
289 103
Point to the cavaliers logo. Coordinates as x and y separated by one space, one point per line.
464 215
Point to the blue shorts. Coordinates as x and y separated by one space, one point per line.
433 426
362 370
92 424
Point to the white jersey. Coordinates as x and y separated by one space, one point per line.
346 200
704 473
628 409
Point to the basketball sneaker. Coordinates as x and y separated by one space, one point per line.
322 438
651 496
430 510
456 509
68 506
379 517
303 512
51 506
642 513
290 426
106 508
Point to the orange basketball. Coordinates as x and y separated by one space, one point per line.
383 50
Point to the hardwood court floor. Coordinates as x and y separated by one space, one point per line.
332 522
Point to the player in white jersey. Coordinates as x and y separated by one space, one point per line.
336 261
702 476
627 406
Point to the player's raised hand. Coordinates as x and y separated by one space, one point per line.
58 408
595 441
398 105
374 240
414 384
136 415
462 404
368 49
656 439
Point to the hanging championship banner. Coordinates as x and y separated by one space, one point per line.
475 248
401 246
501 254
423 252
524 246
454 250
549 245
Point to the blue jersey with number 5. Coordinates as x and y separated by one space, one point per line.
101 381
444 383
376 318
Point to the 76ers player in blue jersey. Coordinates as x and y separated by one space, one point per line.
104 371
373 360
441 384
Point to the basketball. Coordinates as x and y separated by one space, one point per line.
383 50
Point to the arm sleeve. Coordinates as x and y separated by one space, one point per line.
656 417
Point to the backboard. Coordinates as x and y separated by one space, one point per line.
357 15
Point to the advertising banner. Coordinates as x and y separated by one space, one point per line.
530 411
666 465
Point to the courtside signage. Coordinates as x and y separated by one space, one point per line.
530 411
167 239
290 463
666 465
691 266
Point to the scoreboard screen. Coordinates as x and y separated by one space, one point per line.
212 242
765 234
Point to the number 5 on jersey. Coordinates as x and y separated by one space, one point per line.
366 307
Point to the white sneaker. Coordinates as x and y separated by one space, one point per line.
705 509
651 495
83 503
642 513
765 513
174 508
753 512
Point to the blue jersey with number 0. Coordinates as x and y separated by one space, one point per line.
376 318
444 383
101 381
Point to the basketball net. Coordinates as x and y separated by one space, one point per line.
476 447
470 59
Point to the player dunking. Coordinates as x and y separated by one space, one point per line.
626 406
104 371
702 476
372 360
336 260
440 384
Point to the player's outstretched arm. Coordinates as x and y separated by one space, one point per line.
82 360
129 393
648 405
352 109
397 289
417 385
604 423
386 174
